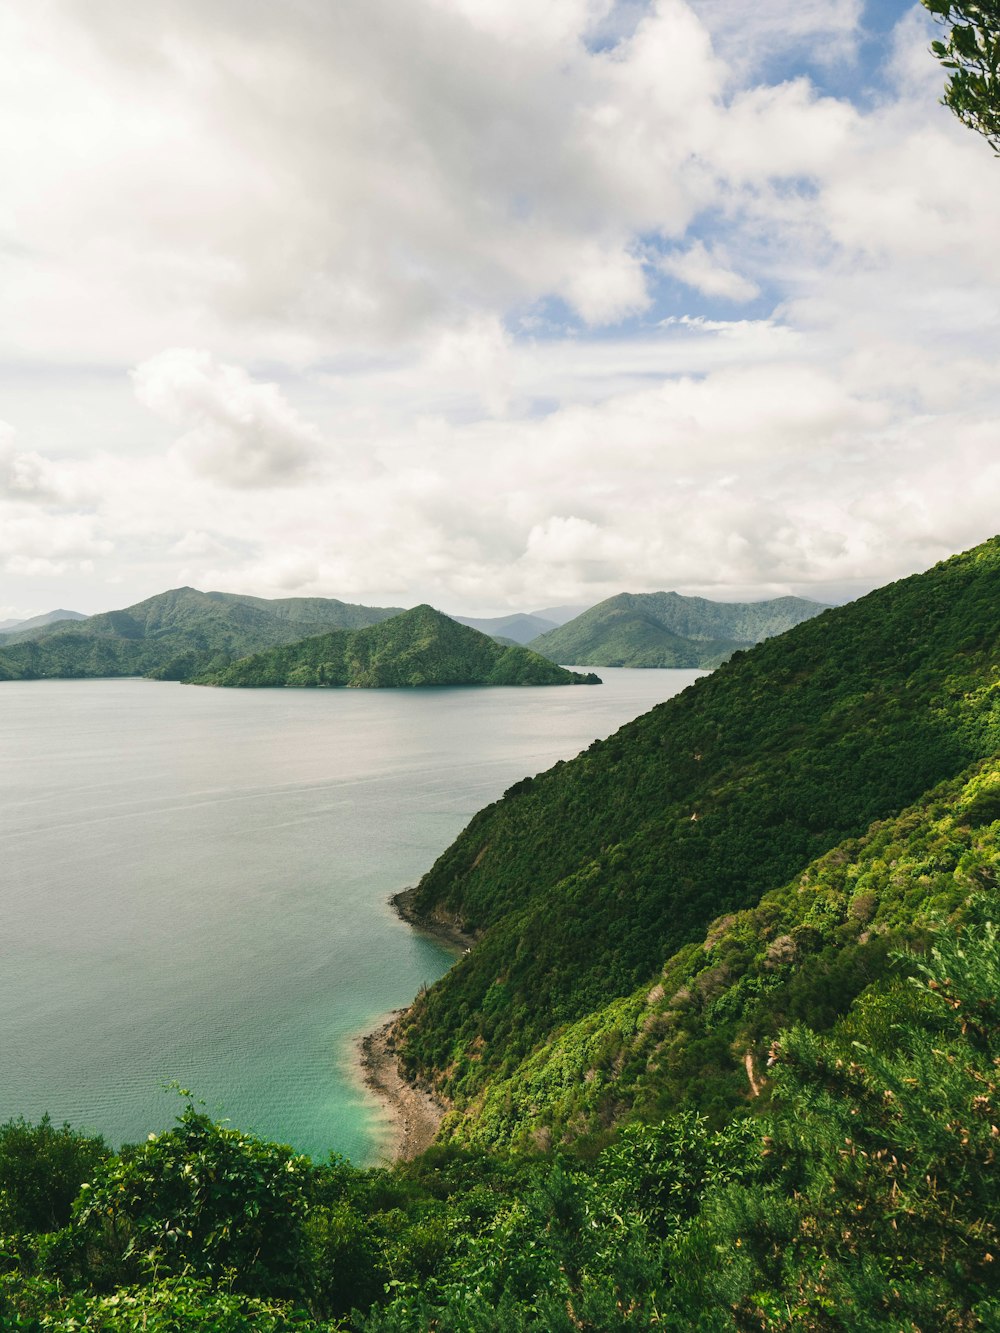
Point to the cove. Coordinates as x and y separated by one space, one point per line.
194 885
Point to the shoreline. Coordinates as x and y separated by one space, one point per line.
414 1115
449 933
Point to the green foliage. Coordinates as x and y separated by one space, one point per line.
856 1190
886 1210
867 1199
699 1032
175 634
664 629
418 648
197 1199
41 1170
583 883
170 1305
971 52
579 1248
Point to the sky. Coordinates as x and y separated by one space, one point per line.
495 304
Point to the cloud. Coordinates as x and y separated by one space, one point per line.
470 277
339 176
709 272
760 35
26 475
33 544
237 431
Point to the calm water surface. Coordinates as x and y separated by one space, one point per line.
194 884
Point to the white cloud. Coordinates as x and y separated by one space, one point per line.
376 216
339 175
708 271
237 431
33 544
524 22
756 35
27 475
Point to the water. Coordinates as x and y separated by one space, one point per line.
194 885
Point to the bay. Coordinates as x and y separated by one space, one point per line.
194 885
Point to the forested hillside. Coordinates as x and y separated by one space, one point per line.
174 634
665 629
697 1035
582 881
418 647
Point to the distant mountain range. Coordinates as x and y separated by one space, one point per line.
665 629
175 634
416 648
183 633
522 626
516 628
559 615
37 622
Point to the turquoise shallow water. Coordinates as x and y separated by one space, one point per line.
194 885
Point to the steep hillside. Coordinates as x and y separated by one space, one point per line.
175 634
664 629
698 1033
582 880
419 647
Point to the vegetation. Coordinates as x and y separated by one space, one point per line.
971 51
173 635
697 1035
791 1123
863 1198
664 629
419 647
582 881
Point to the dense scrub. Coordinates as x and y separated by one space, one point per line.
698 1034
583 880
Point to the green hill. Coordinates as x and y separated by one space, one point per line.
175 634
664 629
418 647
581 881
698 1033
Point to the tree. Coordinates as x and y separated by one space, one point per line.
972 52
41 1170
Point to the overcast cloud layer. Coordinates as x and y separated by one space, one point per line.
488 303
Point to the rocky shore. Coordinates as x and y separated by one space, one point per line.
446 931
414 1114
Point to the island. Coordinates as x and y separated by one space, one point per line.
420 647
